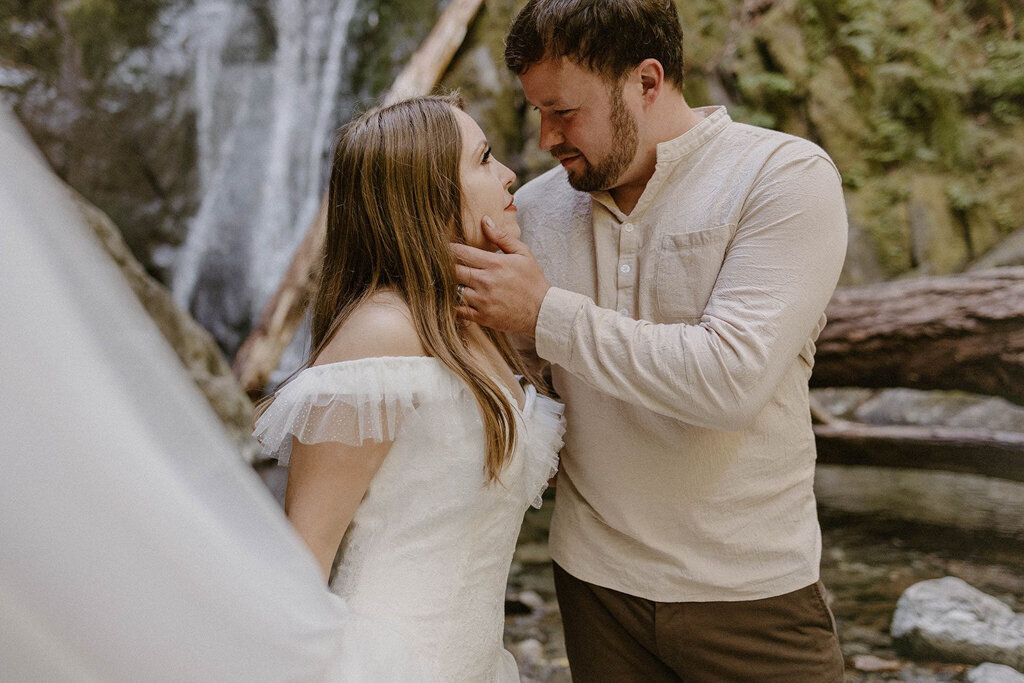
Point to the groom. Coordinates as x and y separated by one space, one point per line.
677 271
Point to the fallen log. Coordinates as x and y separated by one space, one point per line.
966 451
261 351
959 332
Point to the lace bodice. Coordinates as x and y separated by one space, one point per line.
429 549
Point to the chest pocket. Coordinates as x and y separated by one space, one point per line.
688 266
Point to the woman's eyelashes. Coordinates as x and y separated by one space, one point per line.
487 155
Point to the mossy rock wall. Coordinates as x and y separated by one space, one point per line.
920 103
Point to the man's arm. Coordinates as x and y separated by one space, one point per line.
778 275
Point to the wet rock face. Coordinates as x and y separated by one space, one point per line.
949 620
102 88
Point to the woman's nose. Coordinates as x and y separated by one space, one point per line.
508 176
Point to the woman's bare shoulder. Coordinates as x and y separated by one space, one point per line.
380 326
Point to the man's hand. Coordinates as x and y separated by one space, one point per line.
503 291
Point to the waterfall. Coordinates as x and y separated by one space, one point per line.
267 91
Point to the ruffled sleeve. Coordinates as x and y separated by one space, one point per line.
545 427
352 402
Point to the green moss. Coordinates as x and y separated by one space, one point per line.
882 205
381 40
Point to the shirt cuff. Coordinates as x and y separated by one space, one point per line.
555 324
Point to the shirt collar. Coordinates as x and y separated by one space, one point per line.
714 121
670 152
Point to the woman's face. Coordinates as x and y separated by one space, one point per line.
485 182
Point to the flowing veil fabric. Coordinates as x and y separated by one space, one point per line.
134 542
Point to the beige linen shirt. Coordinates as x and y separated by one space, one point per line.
681 338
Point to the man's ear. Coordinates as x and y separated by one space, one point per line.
652 78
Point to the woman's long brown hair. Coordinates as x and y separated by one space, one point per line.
394 207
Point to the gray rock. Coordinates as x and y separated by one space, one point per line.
953 409
842 402
194 346
948 619
993 673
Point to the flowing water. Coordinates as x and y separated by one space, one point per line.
269 87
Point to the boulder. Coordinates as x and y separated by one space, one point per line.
947 619
194 346
993 673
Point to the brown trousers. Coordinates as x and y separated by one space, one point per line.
618 638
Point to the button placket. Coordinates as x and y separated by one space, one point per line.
627 264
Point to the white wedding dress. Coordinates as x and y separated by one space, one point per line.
427 556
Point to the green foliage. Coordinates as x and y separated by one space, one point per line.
892 89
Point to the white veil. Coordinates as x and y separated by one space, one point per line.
134 543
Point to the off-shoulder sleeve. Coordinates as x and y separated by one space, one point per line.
352 402
545 429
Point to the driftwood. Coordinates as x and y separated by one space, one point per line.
961 332
261 351
971 451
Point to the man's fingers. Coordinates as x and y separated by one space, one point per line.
466 275
467 313
501 238
471 256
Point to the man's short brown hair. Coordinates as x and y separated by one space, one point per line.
609 37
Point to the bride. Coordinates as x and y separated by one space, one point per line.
415 440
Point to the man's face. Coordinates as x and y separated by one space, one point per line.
585 123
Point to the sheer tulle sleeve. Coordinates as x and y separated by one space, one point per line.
544 434
352 402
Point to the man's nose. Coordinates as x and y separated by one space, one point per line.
550 134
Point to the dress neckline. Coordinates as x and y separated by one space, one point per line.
529 390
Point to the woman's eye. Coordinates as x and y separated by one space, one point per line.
486 157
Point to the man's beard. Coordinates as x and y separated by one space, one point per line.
626 139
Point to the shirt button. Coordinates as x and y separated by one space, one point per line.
624 311
628 227
624 268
